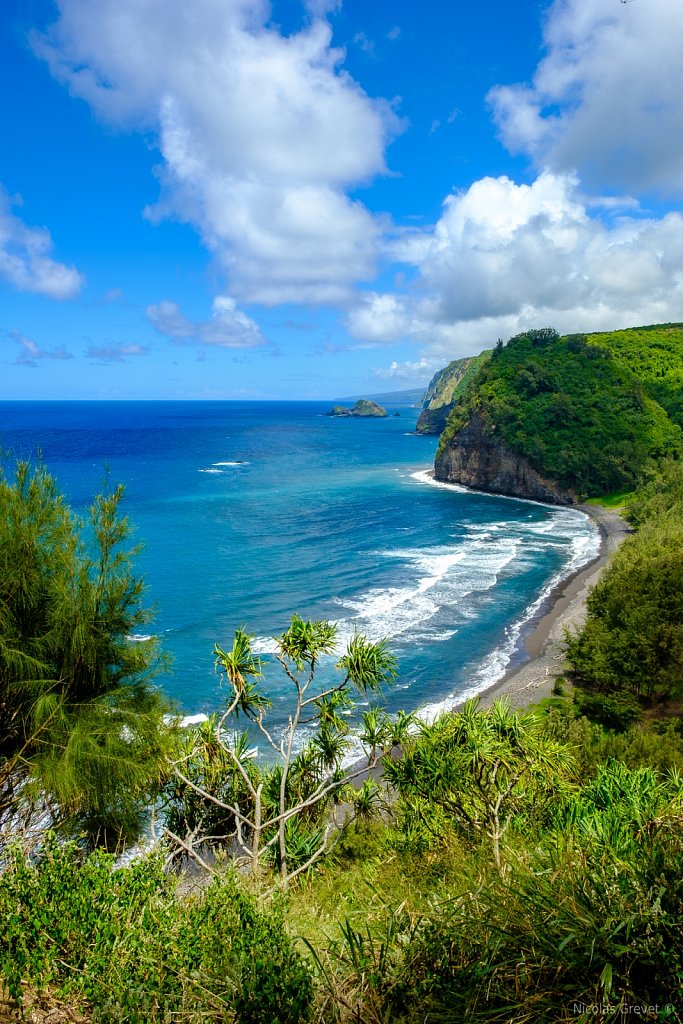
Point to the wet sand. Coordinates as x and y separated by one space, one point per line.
533 680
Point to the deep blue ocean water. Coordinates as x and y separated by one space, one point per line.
251 511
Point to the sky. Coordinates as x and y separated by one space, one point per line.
302 199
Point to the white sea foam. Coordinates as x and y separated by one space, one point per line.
585 547
138 638
189 720
210 470
264 645
426 476
441 577
445 583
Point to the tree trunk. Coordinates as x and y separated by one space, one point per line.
256 840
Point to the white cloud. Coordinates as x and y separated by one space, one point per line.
261 134
31 352
380 318
228 327
501 247
417 370
25 260
606 98
364 43
168 319
504 257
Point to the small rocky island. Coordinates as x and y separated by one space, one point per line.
363 407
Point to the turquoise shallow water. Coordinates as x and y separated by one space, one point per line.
251 511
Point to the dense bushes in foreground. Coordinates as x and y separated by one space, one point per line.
585 912
123 943
580 908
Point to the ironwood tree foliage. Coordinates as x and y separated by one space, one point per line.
82 730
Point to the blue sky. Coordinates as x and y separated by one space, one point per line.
236 199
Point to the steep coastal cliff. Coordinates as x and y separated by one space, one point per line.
559 419
476 459
444 390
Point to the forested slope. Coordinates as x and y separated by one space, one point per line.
586 414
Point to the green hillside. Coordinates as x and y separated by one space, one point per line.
655 355
587 412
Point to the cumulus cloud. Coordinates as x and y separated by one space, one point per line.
228 326
606 98
261 134
31 353
25 260
504 257
380 318
500 247
116 353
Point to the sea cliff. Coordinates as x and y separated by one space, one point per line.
444 390
477 459
559 419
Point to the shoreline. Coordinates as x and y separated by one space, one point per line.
542 658
539 658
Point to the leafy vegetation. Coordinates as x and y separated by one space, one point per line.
630 652
281 811
82 730
445 389
479 770
654 355
122 944
585 913
584 411
582 908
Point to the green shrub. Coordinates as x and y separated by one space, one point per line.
591 914
122 941
632 642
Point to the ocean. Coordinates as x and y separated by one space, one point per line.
249 512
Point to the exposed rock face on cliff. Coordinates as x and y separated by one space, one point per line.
475 458
443 391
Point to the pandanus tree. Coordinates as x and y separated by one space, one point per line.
279 808
480 767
